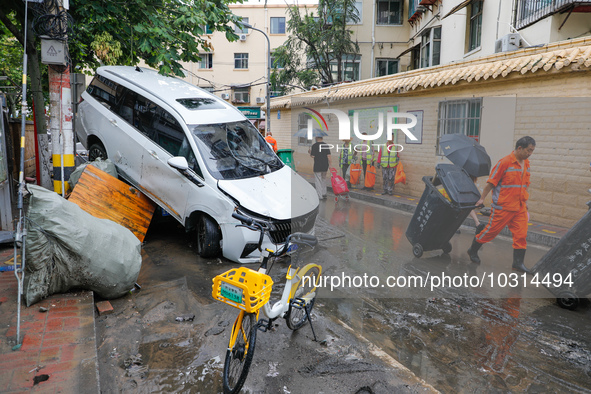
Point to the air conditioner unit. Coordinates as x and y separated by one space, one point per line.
260 100
509 42
242 37
225 96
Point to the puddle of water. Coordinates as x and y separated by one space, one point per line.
465 348
174 368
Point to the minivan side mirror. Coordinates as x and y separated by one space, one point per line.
180 164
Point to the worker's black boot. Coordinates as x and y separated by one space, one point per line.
518 257
473 251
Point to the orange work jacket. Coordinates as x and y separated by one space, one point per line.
510 182
272 141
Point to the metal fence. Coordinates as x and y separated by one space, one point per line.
531 11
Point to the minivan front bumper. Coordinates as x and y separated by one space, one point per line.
244 240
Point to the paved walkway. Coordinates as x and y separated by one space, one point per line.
58 351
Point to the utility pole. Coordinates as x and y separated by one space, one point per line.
62 137
54 50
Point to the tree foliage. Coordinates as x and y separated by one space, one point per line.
106 49
163 33
317 38
11 66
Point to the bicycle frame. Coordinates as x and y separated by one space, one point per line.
293 277
279 308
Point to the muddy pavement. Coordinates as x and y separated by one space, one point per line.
171 336
373 338
490 338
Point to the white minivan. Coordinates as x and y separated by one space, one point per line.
196 156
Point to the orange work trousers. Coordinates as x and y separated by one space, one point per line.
516 220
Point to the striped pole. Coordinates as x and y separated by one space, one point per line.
62 137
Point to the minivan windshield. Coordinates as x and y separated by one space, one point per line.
234 150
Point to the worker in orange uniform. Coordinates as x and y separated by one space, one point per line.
269 138
509 181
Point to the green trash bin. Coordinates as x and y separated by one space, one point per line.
286 156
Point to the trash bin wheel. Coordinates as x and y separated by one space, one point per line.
447 247
568 301
417 250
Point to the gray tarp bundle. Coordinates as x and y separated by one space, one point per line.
104 165
68 248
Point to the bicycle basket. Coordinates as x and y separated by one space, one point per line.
242 288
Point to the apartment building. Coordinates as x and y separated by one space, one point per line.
237 71
445 31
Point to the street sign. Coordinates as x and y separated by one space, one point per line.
250 112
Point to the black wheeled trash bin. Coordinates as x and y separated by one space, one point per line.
566 269
438 216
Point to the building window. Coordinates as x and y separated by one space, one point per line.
241 60
412 7
278 25
275 63
389 12
475 25
386 67
207 29
303 124
359 7
350 68
531 11
460 117
244 30
209 89
206 61
241 95
415 58
431 47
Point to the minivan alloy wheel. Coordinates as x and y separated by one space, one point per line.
97 151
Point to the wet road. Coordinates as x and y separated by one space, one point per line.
457 339
506 339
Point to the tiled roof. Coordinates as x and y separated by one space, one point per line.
552 57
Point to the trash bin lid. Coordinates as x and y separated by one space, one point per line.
458 184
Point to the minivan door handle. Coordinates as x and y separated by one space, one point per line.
154 154
113 122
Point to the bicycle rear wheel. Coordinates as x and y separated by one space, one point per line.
304 289
239 357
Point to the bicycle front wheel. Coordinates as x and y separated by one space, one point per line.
239 357
304 289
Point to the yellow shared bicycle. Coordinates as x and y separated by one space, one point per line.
250 290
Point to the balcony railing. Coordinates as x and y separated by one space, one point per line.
531 11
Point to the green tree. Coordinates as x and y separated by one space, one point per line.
11 65
318 42
162 33
106 49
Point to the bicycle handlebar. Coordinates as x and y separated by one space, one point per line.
304 238
243 219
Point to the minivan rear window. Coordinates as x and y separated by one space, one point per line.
201 103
